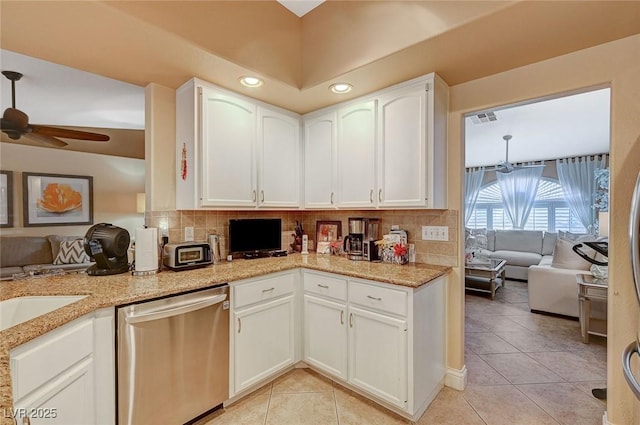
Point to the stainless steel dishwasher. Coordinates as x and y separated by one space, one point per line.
173 357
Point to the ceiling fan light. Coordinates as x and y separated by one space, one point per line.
249 81
340 88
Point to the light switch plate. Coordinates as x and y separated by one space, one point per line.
435 233
188 234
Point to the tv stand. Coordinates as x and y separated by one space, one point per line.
263 254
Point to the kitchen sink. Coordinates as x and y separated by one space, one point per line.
20 309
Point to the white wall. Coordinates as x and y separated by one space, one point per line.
116 180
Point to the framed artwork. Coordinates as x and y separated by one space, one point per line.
328 231
6 198
57 199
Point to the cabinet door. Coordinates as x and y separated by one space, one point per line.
320 162
325 335
228 175
356 156
263 341
378 355
402 148
280 156
69 399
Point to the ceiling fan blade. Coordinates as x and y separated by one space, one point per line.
68 134
48 140
18 119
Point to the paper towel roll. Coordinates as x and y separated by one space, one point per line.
146 249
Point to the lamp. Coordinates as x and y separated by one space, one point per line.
603 223
140 203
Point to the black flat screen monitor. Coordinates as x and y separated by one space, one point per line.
255 234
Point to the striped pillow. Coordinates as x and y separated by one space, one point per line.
71 252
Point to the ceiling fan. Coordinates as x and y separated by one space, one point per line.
15 124
507 167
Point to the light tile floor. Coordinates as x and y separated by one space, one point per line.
523 368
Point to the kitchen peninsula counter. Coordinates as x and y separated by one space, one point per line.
110 291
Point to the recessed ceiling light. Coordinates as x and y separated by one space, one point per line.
340 88
249 81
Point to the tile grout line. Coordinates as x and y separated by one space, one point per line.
266 416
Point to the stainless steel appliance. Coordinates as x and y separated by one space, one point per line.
173 357
359 244
186 255
634 246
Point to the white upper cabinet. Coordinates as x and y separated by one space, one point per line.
234 152
401 147
320 172
279 159
356 155
228 150
390 149
383 150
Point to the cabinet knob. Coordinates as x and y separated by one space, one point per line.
239 325
371 196
380 195
331 198
254 197
262 196
342 317
351 320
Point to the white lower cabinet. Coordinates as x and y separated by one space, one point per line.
390 344
325 335
67 376
378 355
263 328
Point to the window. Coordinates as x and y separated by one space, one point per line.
550 212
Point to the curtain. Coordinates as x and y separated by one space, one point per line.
577 178
518 189
472 183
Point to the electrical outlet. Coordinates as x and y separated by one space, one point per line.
435 233
188 234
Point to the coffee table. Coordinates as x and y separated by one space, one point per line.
476 273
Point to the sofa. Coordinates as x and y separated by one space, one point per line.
35 254
545 260
520 248
553 286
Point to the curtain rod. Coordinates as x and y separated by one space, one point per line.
492 167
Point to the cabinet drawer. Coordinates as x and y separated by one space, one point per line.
326 286
263 289
379 298
37 361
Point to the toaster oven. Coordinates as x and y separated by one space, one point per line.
186 255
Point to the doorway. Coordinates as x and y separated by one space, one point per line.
508 348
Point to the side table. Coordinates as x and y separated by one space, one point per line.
590 289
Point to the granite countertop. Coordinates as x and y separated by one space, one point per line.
109 291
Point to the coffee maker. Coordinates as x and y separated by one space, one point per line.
359 244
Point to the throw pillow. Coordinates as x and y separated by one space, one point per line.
71 252
565 258
55 243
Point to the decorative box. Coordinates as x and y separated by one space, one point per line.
394 253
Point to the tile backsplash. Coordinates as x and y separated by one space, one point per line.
206 222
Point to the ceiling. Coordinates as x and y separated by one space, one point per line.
300 7
371 44
562 127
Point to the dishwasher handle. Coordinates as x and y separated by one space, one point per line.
164 313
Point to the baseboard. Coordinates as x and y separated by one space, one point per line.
456 378
561 316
